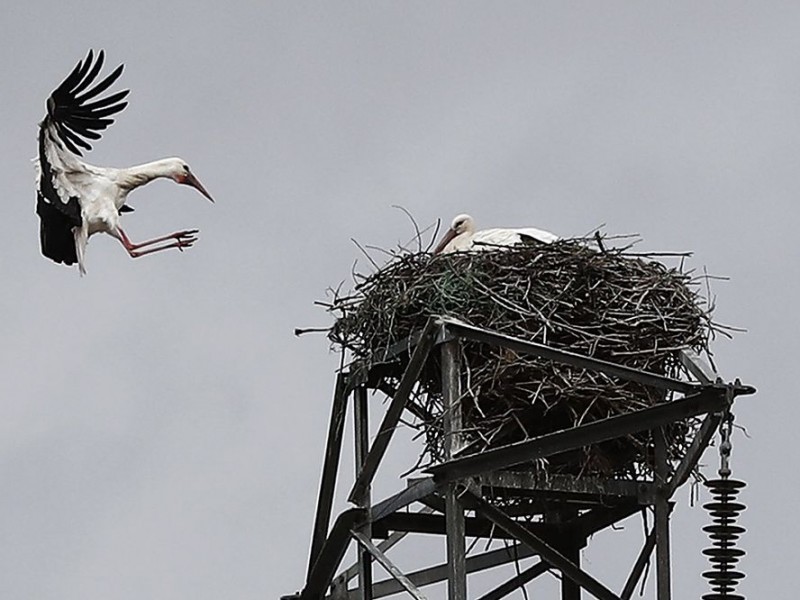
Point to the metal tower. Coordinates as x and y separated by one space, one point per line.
462 496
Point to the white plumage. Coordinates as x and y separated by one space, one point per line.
462 237
75 199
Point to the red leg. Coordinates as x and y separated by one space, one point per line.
182 239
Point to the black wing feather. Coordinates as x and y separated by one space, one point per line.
99 112
70 140
77 73
89 76
75 120
56 217
90 108
56 237
102 86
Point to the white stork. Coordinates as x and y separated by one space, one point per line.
462 237
76 199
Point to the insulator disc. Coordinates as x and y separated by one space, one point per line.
724 533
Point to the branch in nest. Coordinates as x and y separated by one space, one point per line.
615 305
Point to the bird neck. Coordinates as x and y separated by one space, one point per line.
139 175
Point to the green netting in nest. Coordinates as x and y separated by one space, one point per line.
631 310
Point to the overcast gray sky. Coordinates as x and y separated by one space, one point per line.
162 430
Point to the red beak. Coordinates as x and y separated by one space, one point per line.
191 180
444 241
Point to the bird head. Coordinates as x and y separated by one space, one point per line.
461 224
180 172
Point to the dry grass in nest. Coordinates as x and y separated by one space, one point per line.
610 304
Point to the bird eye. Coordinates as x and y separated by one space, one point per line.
186 168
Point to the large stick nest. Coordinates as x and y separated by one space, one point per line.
610 304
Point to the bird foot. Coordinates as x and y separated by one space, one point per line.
183 239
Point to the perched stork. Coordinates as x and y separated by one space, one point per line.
462 237
76 199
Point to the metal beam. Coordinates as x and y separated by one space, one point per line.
435 502
586 524
455 524
394 412
599 518
706 401
593 489
662 510
477 334
415 409
361 436
693 454
437 573
383 546
549 554
437 524
639 566
570 590
327 485
384 561
701 370
331 554
523 577
451 397
416 491
405 346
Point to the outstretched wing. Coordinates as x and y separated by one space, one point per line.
72 111
74 116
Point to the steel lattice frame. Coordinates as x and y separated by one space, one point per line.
469 483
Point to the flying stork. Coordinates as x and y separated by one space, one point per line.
76 199
462 237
